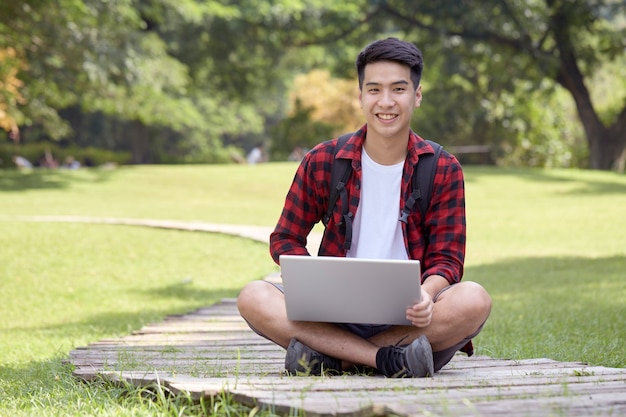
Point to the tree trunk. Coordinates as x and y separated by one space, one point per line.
606 150
606 144
140 143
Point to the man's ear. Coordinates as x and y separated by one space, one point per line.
418 96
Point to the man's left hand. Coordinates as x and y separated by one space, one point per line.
421 314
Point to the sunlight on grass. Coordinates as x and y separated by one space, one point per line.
550 248
66 284
519 213
563 308
239 194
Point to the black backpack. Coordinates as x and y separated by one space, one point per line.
423 178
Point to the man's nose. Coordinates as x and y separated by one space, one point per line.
385 99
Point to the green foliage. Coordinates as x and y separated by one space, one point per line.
542 133
215 155
519 44
202 76
523 125
608 85
70 48
298 131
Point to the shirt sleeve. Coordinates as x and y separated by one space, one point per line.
303 207
446 223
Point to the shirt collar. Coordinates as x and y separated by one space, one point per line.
353 147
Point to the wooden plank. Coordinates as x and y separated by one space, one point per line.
404 397
206 354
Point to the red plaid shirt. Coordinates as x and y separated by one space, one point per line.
306 202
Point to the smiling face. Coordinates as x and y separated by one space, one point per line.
388 99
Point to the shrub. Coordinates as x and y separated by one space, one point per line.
35 153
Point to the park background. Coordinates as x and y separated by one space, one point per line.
165 98
535 83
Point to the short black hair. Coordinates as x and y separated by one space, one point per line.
395 50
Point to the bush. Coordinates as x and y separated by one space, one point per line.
298 131
35 153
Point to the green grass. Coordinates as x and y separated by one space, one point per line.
241 194
550 247
65 284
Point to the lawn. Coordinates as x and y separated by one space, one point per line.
548 245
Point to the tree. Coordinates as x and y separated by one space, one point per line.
332 101
193 75
562 40
94 55
297 133
202 72
247 52
10 95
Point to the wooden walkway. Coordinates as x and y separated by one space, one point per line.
212 351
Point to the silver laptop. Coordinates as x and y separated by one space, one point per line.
349 290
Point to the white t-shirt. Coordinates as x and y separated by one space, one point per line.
376 229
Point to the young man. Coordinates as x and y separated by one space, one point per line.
383 153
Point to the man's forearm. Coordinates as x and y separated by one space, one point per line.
433 284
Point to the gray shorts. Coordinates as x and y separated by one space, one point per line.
366 331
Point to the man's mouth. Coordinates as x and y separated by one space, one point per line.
387 116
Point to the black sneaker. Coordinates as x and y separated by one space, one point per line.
301 359
412 361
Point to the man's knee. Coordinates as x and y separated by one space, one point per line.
483 298
248 297
254 296
477 301
472 299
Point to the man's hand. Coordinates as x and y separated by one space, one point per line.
421 314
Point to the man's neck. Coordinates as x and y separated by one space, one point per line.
386 151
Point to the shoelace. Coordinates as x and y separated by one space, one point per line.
393 363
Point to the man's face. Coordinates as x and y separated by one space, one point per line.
388 99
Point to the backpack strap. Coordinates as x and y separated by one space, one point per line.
423 179
340 173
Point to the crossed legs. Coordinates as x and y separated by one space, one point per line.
459 313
